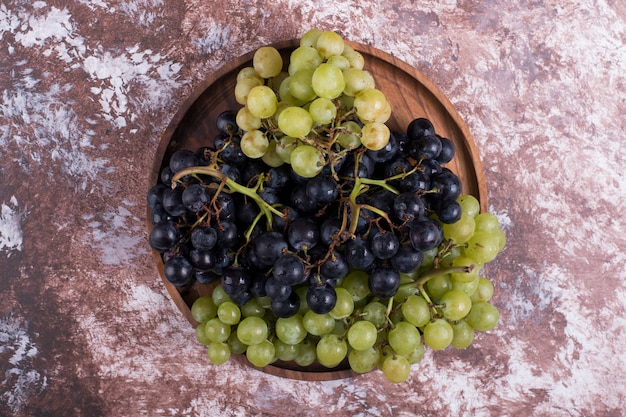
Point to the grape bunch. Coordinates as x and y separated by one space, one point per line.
327 237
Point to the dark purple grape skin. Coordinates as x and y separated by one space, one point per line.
268 247
194 197
155 195
163 236
276 290
322 189
303 233
425 147
407 259
173 201
202 259
449 212
328 230
178 270
447 151
321 299
425 234
408 206
358 254
383 282
335 267
226 122
183 158
384 245
236 280
288 307
289 270
447 185
419 127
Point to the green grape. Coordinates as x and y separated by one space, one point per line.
219 296
501 239
429 258
417 355
304 58
463 335
310 38
295 122
271 157
290 330
439 285
275 82
356 282
267 61
483 316
218 353
438 334
465 261
216 331
236 346
307 161
344 306
248 72
261 354
254 144
201 335
416 311
252 330
355 58
349 136
362 335
304 307
375 135
469 205
357 80
370 103
331 350
300 84
340 328
468 288
229 313
456 305
243 87
284 147
203 309
327 81
285 351
375 312
404 338
329 44
318 324
404 292
339 61
396 368
252 308
484 292
362 361
482 247
384 115
262 101
322 110
460 231
246 120
306 353
487 222
450 255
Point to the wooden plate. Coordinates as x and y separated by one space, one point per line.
411 95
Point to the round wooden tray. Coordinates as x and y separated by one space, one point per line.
411 95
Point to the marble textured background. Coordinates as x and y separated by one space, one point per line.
87 89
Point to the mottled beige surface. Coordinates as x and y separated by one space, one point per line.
89 86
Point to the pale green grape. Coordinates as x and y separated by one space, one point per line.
438 334
327 81
203 309
252 330
429 258
461 230
267 61
295 122
483 247
284 351
357 80
261 354
384 115
300 85
218 353
484 292
341 327
262 101
483 316
290 330
329 44
416 311
469 205
404 338
304 307
248 72
275 82
219 296
284 147
331 350
252 308
439 285
349 136
254 144
404 292
456 305
344 306
322 110
243 87
465 261
417 355
468 288
356 282
355 58
304 57
374 312
396 368
271 157
375 135
370 103
216 331
229 313
307 353
487 222
236 346
310 37
463 335
362 335
307 161
339 61
246 120
201 335
362 361
318 324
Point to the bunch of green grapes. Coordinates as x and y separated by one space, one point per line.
306 116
